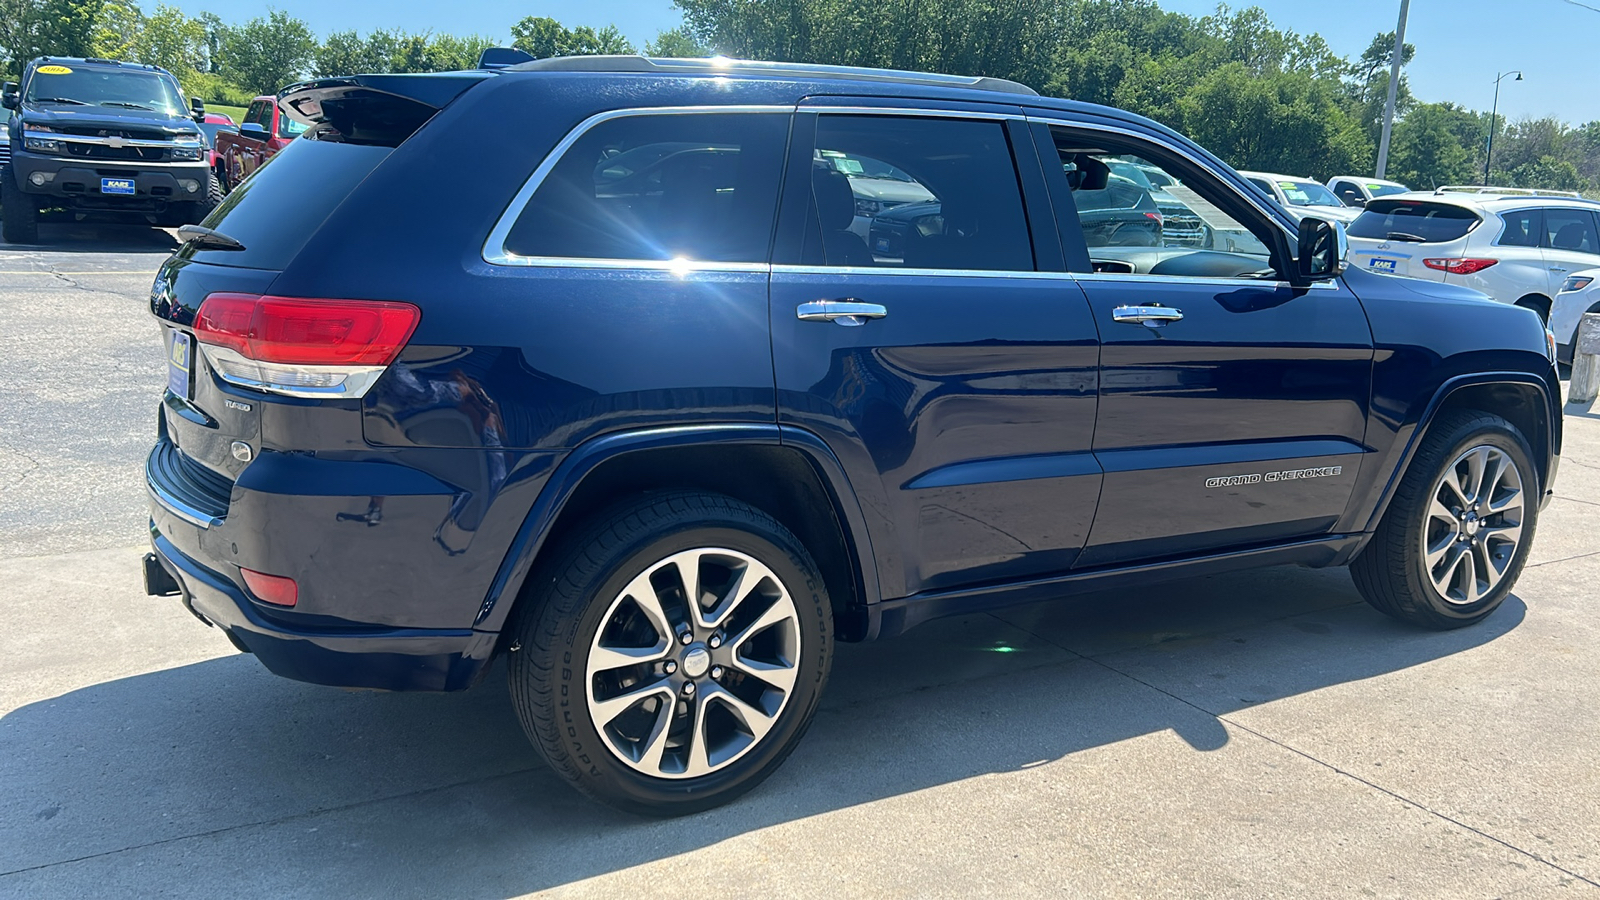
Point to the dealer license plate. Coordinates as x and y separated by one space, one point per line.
1382 265
180 359
116 186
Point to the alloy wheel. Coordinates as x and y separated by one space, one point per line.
1474 524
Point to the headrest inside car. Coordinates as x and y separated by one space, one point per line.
1090 174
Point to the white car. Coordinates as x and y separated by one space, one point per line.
1357 192
1302 197
1516 249
1579 294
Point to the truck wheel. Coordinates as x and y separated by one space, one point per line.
1457 534
670 657
19 212
196 212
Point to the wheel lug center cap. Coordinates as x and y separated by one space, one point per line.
696 660
1471 524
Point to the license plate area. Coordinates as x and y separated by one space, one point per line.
180 364
1386 266
123 186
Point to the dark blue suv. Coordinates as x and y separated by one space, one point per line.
595 364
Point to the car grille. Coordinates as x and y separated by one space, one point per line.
132 134
188 482
5 154
1183 229
124 154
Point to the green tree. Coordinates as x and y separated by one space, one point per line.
1429 149
543 37
676 43
171 40
266 54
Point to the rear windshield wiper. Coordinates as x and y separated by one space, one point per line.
59 100
201 236
126 105
1406 236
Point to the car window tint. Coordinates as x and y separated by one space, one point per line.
1570 229
921 193
1413 221
660 187
261 114
1121 216
1522 228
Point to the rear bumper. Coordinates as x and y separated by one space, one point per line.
401 659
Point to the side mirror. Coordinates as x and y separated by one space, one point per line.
255 131
1323 250
198 108
8 96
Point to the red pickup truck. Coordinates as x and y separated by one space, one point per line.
264 131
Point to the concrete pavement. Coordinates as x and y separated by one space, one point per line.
1259 734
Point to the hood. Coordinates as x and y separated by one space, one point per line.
888 190
109 118
1343 214
908 211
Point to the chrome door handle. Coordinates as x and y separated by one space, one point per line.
845 312
1557 269
1146 315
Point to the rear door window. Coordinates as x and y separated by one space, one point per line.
1523 228
1348 192
922 193
660 187
1572 230
1414 221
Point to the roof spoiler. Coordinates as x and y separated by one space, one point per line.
374 109
502 57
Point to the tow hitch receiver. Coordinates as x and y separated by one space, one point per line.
157 581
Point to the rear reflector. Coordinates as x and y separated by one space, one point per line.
1459 266
274 589
308 332
301 347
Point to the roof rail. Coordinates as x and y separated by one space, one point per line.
721 65
1507 191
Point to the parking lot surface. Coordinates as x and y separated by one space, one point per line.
1261 734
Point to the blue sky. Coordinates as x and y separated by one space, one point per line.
1461 44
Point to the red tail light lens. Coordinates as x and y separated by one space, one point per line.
274 589
295 331
1155 216
1459 266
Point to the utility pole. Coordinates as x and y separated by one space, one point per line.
1394 87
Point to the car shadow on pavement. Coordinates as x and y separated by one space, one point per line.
311 788
60 234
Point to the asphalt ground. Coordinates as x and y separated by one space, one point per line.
1261 734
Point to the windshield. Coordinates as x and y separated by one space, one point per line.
117 88
1308 193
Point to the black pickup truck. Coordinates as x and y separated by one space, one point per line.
96 135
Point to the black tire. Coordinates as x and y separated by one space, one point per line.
220 175
1392 571
19 212
571 598
1538 304
194 213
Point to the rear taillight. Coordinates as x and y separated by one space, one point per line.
274 589
1459 266
302 347
1155 217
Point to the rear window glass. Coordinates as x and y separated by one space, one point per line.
1416 221
275 211
660 187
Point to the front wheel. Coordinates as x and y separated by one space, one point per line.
1457 534
19 212
672 655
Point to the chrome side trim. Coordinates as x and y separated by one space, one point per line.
494 247
924 273
117 143
913 111
1135 278
241 371
177 507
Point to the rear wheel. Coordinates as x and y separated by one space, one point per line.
1457 534
673 654
19 212
1538 304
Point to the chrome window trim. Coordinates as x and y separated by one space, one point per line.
914 111
859 271
1135 278
494 247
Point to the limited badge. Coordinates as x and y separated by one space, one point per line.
53 70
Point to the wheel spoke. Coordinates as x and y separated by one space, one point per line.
655 744
746 578
698 762
777 612
775 675
1510 534
1469 584
1452 481
756 721
1477 462
1444 575
604 659
606 710
1438 510
1437 551
645 597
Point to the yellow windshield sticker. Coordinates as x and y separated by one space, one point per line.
1287 185
1374 187
53 70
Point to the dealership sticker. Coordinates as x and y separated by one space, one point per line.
53 70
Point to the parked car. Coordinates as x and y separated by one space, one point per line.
660 444
96 135
214 124
264 131
1302 196
1579 294
1356 192
1516 249
1180 225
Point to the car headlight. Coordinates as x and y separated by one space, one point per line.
1576 283
865 207
1550 343
33 139
181 154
